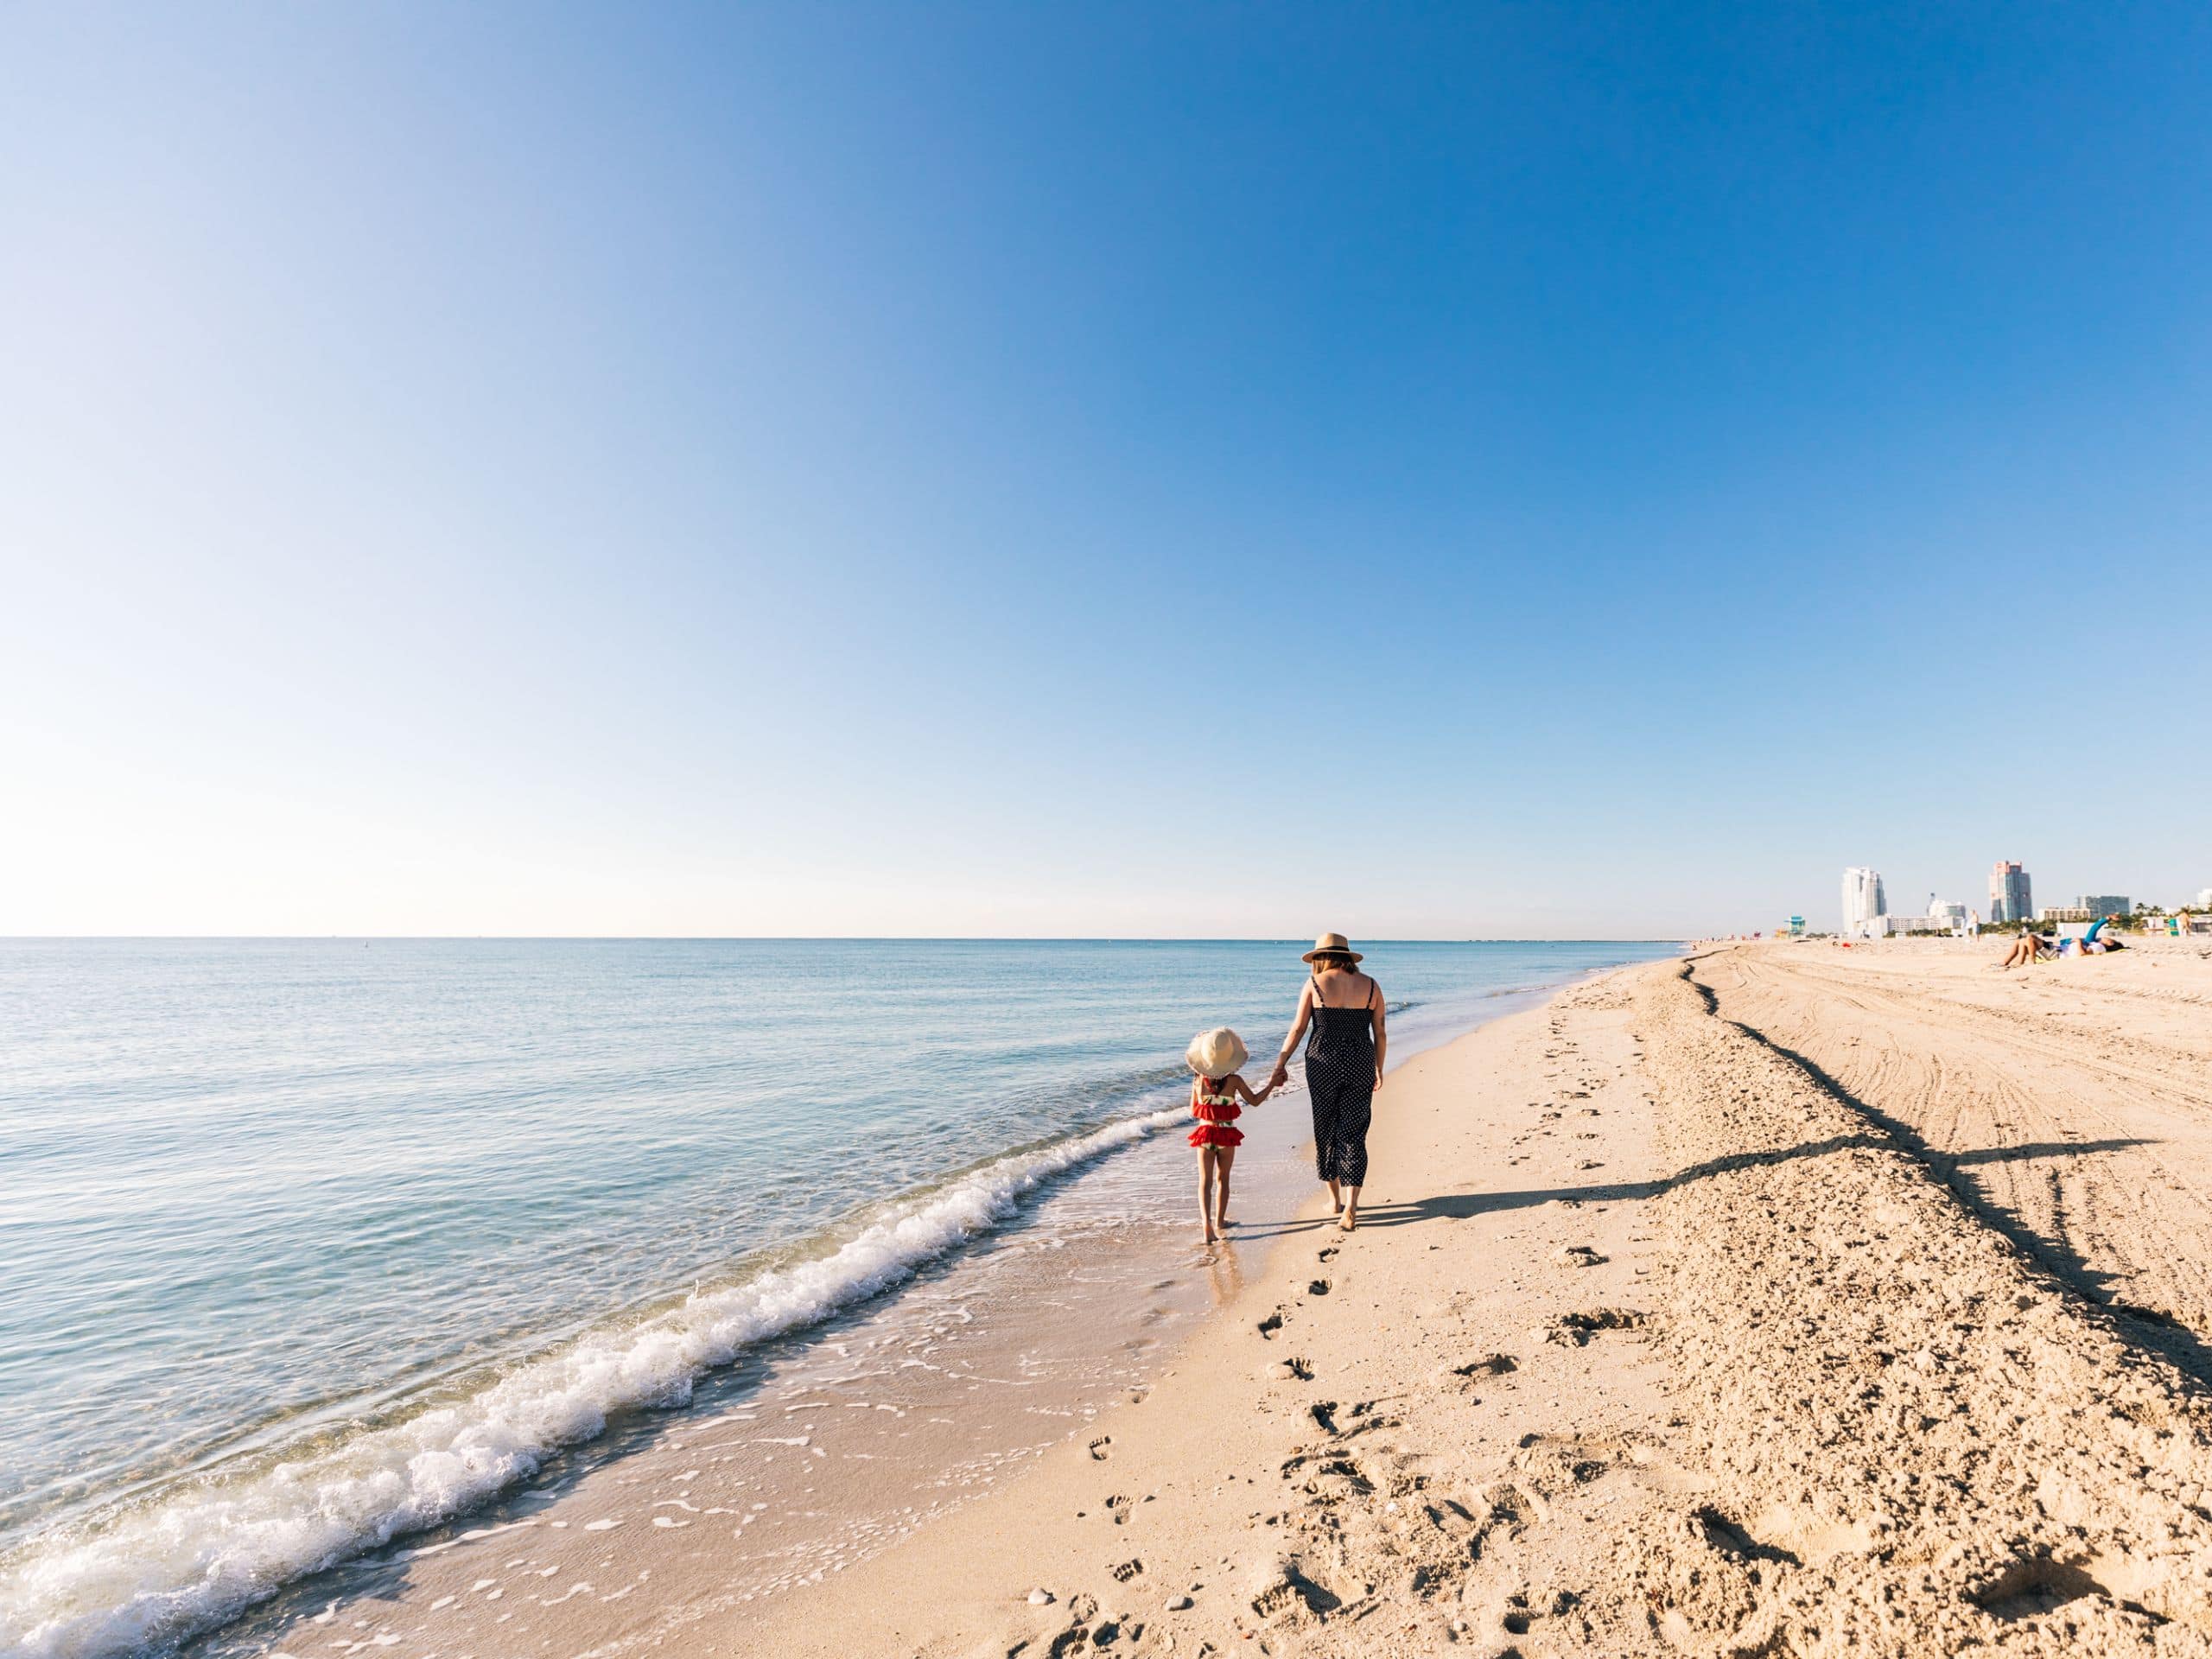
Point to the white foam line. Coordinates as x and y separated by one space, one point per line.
145 1578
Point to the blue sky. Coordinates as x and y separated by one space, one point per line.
1430 471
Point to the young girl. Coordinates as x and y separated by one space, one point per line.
1216 1089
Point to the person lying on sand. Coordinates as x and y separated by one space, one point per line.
2093 946
2029 947
1213 1058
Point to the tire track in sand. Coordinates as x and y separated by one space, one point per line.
2105 1177
1917 1442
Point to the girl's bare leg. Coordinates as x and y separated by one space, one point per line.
1351 1210
1227 1162
1336 1196
1205 1192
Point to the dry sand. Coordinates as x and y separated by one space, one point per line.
1781 1301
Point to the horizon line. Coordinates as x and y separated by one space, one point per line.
806 939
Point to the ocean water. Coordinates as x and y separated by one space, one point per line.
305 1245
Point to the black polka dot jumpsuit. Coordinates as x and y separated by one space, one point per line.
1340 1079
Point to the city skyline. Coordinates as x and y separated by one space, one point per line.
2011 900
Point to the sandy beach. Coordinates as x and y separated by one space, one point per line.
682 679
1778 1300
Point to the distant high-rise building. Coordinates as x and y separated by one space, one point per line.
2106 904
1863 900
2010 900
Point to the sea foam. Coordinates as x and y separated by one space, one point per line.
181 1561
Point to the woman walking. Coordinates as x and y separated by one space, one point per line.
1340 1014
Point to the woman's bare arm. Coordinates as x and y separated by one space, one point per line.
1290 1044
1381 1038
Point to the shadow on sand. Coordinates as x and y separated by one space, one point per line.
1463 1206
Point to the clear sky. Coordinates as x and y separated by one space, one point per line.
1117 469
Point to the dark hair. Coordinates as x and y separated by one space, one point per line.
1332 959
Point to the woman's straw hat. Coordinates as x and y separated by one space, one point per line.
1217 1054
1332 945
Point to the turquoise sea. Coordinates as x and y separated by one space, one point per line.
307 1244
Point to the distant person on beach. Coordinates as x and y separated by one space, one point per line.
2029 947
1341 1009
1215 1092
2092 945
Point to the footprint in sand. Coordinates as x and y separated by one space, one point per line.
1577 1329
1319 1288
1488 1366
1282 1587
1098 1451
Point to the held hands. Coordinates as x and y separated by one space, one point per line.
1280 1075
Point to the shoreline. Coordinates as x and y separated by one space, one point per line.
626 1560
1162 1314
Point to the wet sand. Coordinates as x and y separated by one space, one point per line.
817 1452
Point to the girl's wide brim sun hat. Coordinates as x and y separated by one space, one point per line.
1215 1053
1331 945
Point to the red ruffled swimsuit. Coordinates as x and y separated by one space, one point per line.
1216 1113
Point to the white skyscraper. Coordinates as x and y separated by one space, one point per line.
2010 897
1863 900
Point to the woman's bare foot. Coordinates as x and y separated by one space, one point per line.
1211 1237
1350 1222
